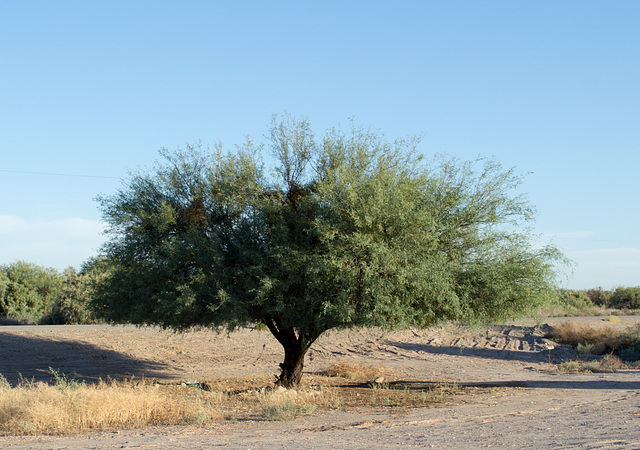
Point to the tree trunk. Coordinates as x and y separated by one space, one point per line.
292 366
296 345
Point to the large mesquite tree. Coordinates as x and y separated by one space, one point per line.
347 230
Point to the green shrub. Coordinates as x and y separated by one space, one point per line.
575 300
624 343
626 298
28 290
73 304
279 411
600 297
629 349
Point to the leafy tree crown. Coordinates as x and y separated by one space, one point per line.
346 230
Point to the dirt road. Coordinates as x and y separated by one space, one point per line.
530 406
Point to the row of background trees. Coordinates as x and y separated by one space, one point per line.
30 293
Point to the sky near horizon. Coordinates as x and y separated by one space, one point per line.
92 90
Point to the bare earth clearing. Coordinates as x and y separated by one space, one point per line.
527 403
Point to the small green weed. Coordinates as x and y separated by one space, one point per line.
62 381
199 418
584 349
308 408
278 411
609 363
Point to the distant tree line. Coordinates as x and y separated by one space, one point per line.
30 293
622 298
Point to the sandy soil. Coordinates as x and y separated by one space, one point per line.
529 405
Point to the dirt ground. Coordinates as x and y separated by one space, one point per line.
529 404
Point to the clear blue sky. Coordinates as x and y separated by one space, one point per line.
95 88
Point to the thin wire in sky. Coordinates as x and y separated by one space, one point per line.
58 174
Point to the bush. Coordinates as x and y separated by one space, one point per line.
623 343
351 369
73 304
626 298
28 290
599 296
35 294
597 301
578 300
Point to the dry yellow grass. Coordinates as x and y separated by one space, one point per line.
609 363
356 370
38 408
623 341
574 334
69 407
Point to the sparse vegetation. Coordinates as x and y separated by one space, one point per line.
622 342
356 370
279 410
39 408
69 407
609 363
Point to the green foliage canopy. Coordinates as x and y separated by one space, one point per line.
349 230
626 297
27 290
72 306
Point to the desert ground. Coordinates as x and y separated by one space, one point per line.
522 400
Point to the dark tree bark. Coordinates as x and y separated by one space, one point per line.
292 367
295 349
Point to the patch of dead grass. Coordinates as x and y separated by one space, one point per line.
356 370
583 334
39 408
621 341
70 407
609 363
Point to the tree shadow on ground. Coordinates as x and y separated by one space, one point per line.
554 355
414 385
32 358
560 384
